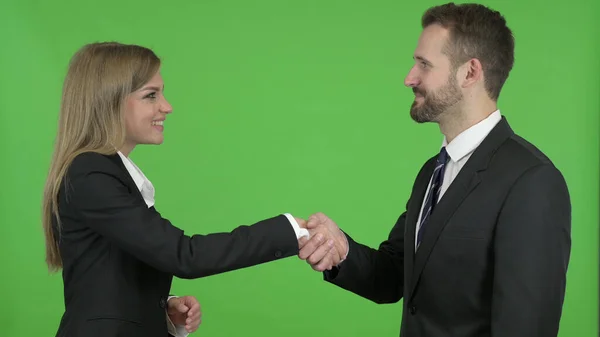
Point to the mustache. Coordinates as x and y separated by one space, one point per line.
418 91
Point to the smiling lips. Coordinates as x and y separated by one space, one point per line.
158 124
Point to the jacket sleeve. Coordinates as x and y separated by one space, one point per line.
375 274
531 255
105 204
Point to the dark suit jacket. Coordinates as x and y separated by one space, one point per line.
120 256
494 255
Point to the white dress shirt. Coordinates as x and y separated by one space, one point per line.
147 190
460 150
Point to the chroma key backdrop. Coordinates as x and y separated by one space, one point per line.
286 106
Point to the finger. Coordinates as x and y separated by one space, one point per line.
174 302
192 326
193 315
180 304
320 253
303 240
193 320
325 264
310 246
301 222
195 308
328 262
182 308
190 301
314 221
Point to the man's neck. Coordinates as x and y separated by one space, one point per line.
468 115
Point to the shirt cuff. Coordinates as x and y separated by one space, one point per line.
347 251
300 232
175 330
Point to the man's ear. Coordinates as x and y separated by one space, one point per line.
470 73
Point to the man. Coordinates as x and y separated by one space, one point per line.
483 246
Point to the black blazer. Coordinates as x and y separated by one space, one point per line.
119 256
494 255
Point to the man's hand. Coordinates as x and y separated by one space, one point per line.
327 247
185 311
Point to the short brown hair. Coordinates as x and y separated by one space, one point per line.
477 32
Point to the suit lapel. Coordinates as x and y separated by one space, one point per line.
462 185
130 182
467 179
412 214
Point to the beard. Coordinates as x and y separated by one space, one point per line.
435 103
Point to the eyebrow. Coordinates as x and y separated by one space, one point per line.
420 58
153 88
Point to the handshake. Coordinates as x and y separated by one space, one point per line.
327 246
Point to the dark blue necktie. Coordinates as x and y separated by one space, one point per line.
434 191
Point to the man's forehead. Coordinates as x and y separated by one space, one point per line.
431 42
434 32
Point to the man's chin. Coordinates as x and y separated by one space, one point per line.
418 116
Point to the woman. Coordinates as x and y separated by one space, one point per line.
117 254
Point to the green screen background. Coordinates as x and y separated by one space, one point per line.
286 106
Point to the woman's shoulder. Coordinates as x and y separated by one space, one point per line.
89 162
91 171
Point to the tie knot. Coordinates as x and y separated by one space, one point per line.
443 156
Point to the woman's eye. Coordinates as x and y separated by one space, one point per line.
151 95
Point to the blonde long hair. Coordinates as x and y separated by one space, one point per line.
99 78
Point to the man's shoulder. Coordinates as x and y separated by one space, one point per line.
516 156
522 151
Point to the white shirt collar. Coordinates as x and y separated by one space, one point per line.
143 184
468 140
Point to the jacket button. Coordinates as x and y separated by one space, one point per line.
162 302
278 253
412 310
